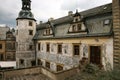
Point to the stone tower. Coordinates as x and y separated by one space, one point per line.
26 28
116 29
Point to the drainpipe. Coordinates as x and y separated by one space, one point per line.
35 42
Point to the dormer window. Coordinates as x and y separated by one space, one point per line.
48 31
79 27
76 19
74 28
107 22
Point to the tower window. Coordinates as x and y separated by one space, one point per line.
30 47
76 49
22 61
30 23
30 32
0 46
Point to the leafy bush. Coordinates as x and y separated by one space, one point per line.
91 68
92 72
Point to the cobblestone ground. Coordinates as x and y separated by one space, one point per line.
30 77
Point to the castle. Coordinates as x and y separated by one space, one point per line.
59 44
55 48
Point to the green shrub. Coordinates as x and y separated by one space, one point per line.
91 68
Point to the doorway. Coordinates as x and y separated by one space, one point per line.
95 54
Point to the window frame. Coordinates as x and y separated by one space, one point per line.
59 48
21 61
106 22
47 64
79 27
47 47
39 46
30 32
30 23
74 50
30 47
1 57
59 68
1 46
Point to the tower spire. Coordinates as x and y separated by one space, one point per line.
26 4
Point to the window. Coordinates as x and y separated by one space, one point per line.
59 48
22 61
1 57
9 56
0 46
79 27
48 47
76 49
47 31
39 62
59 68
106 22
30 23
76 19
73 28
39 46
30 32
47 65
30 47
33 63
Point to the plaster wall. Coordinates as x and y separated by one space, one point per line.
67 59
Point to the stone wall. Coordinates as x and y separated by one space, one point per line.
24 41
116 29
40 73
20 72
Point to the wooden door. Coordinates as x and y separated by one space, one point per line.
95 54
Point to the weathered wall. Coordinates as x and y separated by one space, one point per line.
24 40
67 59
59 75
20 72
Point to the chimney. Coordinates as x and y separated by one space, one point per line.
70 13
40 22
116 30
50 19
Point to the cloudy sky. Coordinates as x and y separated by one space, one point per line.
44 9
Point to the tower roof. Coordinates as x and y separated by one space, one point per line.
26 13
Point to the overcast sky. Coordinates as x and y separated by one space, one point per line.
44 9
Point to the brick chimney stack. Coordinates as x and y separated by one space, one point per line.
116 29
